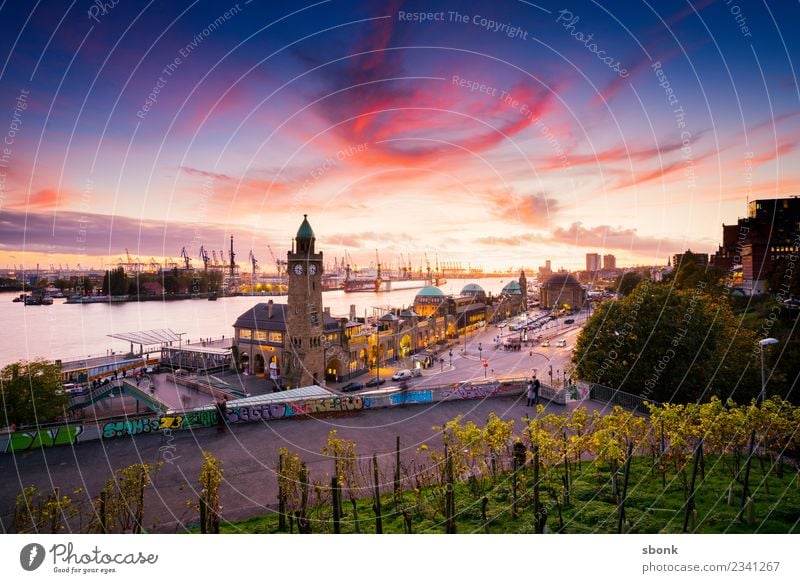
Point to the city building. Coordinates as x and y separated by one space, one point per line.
700 259
546 270
609 262
592 262
562 290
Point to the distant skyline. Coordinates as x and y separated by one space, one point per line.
496 135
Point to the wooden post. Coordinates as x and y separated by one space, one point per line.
450 494
336 493
746 484
624 494
281 497
103 512
698 456
377 502
397 467
537 507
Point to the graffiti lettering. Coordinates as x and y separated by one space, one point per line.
412 397
129 427
23 440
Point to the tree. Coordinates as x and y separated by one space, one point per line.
667 344
31 393
626 283
115 282
783 279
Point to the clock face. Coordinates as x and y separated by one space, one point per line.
298 269
312 269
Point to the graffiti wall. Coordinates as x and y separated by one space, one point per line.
33 439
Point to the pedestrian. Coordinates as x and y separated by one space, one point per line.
536 385
530 394
222 409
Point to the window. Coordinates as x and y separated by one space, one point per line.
260 335
244 333
276 337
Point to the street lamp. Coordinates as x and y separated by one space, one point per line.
762 344
551 375
480 350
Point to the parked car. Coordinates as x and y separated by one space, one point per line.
569 321
545 343
376 382
405 374
354 386
561 343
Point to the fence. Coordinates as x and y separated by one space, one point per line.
625 400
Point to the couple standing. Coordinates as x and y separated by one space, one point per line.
533 392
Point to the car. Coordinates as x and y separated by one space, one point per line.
405 374
569 321
561 343
502 325
376 382
354 386
545 343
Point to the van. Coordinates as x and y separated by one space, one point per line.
561 343
402 375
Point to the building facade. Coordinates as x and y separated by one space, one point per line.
562 291
592 262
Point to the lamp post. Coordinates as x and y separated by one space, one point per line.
551 376
762 343
480 350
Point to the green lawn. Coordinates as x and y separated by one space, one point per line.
592 508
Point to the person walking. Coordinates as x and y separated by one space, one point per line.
222 409
530 394
536 385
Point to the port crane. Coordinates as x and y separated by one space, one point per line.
253 262
204 257
185 256
279 263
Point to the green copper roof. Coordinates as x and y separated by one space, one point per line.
305 231
430 291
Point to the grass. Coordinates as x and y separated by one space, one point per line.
592 508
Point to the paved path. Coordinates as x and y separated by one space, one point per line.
249 454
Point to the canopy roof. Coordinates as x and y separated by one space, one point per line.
149 337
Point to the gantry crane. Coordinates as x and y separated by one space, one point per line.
253 262
204 257
185 256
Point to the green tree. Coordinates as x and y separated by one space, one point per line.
784 279
31 393
115 282
669 345
626 283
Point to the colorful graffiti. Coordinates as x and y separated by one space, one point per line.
412 397
22 440
130 427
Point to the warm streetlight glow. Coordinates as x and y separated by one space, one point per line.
762 343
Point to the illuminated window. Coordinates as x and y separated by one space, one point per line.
260 335
276 337
244 333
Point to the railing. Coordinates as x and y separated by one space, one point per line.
625 400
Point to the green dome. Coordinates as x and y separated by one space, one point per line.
472 288
305 231
430 291
512 288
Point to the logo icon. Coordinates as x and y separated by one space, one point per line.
31 556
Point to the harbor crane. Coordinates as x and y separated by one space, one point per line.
279 263
233 263
253 262
204 257
214 257
185 256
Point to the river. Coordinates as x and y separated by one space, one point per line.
68 331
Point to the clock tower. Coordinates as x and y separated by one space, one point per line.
303 357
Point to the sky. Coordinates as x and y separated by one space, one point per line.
493 134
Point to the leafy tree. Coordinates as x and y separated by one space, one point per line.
781 281
626 283
667 344
209 507
120 506
31 393
115 282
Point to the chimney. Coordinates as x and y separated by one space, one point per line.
352 312
269 310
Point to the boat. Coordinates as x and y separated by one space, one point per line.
212 298
19 298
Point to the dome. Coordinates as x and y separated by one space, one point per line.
472 289
560 280
408 314
512 288
389 317
430 291
305 231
